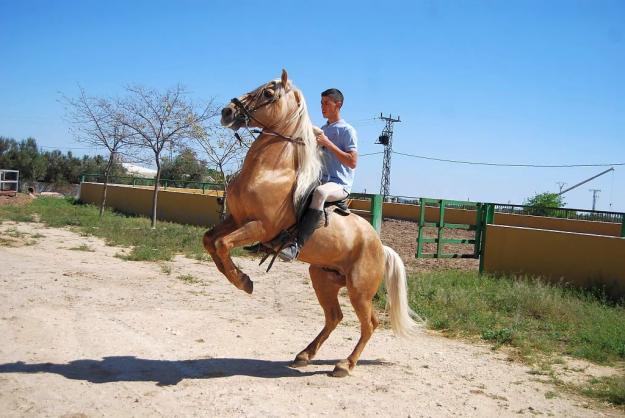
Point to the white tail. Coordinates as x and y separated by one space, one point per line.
396 288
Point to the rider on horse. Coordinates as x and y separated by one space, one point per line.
338 143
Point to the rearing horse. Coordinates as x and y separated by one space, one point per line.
280 166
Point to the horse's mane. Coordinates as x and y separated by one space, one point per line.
307 155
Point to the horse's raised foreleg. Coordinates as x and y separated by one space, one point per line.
327 285
212 235
246 234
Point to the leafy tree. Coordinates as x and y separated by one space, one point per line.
160 120
543 204
23 156
95 122
185 167
225 152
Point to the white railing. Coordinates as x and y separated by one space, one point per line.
9 181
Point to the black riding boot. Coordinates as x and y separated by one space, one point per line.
310 221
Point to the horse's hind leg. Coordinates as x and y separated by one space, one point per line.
327 285
363 306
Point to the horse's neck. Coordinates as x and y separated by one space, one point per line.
270 152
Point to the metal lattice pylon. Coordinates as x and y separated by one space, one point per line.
386 139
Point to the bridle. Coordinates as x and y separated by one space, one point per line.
248 114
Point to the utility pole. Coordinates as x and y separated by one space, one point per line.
386 139
586 181
595 196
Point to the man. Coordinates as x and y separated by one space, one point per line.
338 143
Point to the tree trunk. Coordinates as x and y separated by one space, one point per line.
155 195
224 207
107 171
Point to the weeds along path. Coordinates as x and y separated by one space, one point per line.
85 333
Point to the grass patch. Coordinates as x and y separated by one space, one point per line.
189 279
165 268
610 389
162 243
541 322
145 243
533 317
83 247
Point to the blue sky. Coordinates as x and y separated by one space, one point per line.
524 82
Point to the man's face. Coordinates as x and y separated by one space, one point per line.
329 108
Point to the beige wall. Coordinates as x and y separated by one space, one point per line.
584 260
558 224
179 206
192 207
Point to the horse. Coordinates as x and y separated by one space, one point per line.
279 168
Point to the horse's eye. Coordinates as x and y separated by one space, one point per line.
268 94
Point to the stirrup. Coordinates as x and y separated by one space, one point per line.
289 253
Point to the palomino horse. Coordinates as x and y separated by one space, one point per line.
280 166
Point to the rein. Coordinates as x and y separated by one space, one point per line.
248 114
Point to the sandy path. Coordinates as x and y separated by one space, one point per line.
88 334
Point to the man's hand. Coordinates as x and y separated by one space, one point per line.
323 140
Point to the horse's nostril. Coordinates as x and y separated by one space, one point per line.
226 112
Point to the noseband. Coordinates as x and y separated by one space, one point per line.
248 114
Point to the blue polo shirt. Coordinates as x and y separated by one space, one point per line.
343 135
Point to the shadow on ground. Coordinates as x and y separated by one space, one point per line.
166 372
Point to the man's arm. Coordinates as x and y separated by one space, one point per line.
348 158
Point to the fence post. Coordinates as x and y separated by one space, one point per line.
479 209
441 228
489 218
623 227
421 225
376 212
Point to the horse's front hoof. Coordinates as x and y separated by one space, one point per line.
340 370
247 285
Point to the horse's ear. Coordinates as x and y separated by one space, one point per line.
285 78
298 96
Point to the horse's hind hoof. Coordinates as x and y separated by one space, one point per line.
299 363
340 371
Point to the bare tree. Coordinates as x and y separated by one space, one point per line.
94 122
225 152
162 120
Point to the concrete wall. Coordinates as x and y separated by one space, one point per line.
174 205
558 224
192 207
584 260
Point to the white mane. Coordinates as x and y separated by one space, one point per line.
308 157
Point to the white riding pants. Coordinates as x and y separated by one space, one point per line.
327 192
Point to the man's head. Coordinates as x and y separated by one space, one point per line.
331 102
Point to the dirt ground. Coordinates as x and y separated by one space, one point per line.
85 333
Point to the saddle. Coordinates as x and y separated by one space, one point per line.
276 244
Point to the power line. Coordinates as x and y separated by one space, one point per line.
508 165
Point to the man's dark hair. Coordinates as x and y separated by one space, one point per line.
334 94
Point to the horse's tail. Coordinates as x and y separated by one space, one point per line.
402 316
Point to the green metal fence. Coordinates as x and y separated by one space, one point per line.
145 181
484 215
564 213
375 208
